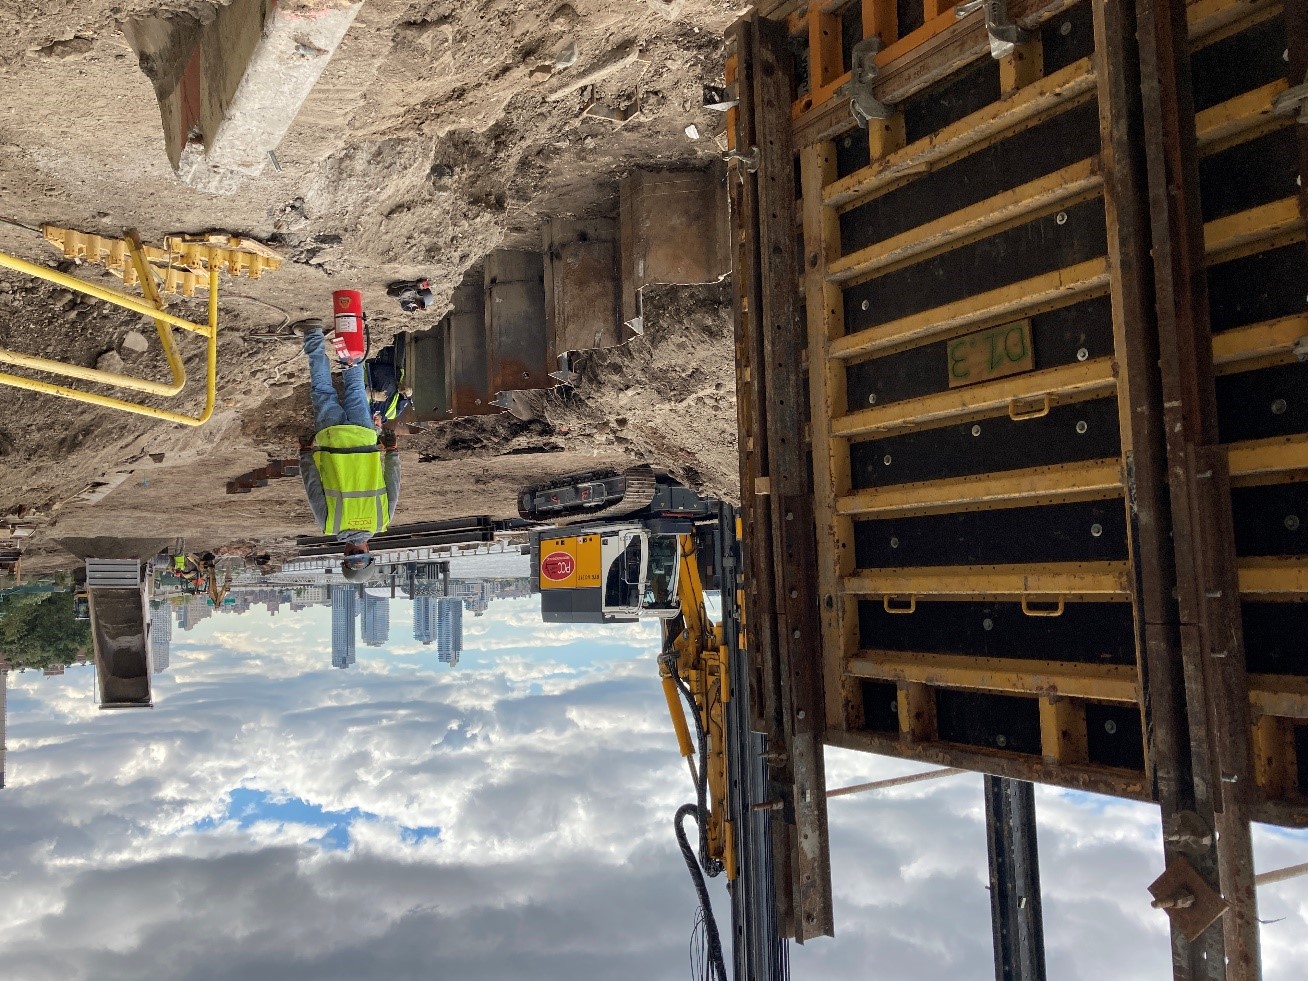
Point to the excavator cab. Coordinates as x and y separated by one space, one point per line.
604 575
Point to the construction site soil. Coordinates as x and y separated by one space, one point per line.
438 133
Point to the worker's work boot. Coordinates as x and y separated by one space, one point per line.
301 327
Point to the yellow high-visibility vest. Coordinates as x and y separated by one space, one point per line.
350 465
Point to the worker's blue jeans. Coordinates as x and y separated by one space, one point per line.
328 409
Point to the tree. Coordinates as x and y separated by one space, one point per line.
39 631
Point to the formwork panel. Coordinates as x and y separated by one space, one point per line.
988 522
1066 434
1257 279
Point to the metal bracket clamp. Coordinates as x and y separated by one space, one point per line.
747 161
720 98
1189 902
863 102
1005 35
1293 101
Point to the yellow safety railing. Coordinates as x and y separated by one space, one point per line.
151 306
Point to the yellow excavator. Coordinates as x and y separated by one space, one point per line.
658 558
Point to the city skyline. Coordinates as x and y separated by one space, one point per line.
360 616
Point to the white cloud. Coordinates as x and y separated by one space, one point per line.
553 775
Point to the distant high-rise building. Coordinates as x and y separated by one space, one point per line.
345 611
449 629
424 619
376 620
161 637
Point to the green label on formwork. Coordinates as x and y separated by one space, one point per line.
990 353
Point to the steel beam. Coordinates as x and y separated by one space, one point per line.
1016 918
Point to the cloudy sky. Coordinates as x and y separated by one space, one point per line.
274 818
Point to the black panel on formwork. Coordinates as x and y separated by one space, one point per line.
852 153
798 45
1263 286
1069 137
960 95
1250 174
1058 337
1055 533
910 15
1000 444
1276 638
1041 246
1086 633
851 32
1258 404
1238 64
880 706
1271 520
1114 736
983 719
1301 754
1068 37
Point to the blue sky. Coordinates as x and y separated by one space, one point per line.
273 817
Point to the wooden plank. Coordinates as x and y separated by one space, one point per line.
1210 19
1091 480
1072 86
1072 581
1264 227
824 55
764 663
1139 395
1097 780
916 712
1274 578
1100 682
1261 345
1274 756
1047 291
1042 196
1217 705
1021 395
793 535
1063 736
1261 461
831 467
1285 696
881 20
1242 118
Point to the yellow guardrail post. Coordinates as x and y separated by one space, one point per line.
151 307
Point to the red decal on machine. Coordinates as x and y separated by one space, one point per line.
557 566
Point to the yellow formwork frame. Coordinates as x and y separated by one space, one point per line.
164 322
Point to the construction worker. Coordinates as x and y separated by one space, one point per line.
388 390
352 485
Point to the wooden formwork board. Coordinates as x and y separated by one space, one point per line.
1057 403
1256 278
986 522
1019 499
784 629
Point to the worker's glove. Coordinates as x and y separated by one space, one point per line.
388 438
306 441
